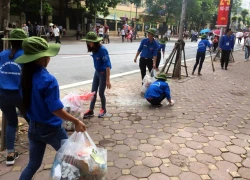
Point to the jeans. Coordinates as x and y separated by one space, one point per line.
156 101
143 64
123 36
158 60
9 101
39 136
225 57
247 52
99 81
200 56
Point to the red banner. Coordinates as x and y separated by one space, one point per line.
223 12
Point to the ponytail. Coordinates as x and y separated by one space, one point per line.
15 46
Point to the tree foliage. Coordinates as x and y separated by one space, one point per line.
18 6
244 13
236 8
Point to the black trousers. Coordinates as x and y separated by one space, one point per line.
225 54
158 60
145 63
157 101
200 56
58 39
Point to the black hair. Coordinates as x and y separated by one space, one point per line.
15 46
94 49
228 30
28 71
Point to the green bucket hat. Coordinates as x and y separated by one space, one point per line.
16 34
162 76
35 48
152 31
92 37
204 36
162 41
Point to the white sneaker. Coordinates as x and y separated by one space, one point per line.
245 60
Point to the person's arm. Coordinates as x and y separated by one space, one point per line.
139 51
155 54
108 84
221 42
167 93
79 125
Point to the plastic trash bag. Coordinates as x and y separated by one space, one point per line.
73 104
147 80
79 158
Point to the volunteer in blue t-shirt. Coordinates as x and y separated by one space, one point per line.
148 52
226 46
101 78
161 48
158 91
10 97
41 102
201 53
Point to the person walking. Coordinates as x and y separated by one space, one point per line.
78 32
41 102
148 53
101 78
10 97
215 43
201 53
158 91
247 47
30 28
106 34
226 46
56 33
161 48
123 34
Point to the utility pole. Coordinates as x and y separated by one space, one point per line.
180 46
41 13
229 14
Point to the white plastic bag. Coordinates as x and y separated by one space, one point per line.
73 104
147 80
80 158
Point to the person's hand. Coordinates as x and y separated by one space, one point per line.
80 126
172 102
135 60
108 84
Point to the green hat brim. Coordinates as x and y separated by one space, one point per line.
160 78
91 40
151 32
13 39
53 50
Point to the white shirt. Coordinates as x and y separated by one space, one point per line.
123 32
101 31
56 31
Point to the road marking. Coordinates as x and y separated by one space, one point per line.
113 76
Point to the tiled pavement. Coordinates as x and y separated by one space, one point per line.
205 135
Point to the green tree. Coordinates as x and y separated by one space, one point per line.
244 13
236 6
17 6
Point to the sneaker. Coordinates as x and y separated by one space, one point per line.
11 159
199 74
89 113
102 113
225 68
192 73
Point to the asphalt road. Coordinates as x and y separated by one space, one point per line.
74 64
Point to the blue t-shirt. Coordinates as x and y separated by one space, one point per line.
161 47
10 71
156 89
202 45
227 43
45 98
101 59
148 49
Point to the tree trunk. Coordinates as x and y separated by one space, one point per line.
177 71
4 18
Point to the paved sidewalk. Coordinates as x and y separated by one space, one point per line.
205 135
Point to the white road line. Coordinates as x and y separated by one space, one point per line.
111 77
